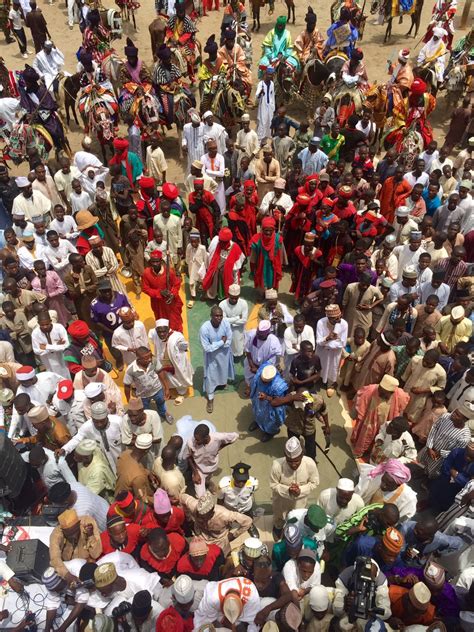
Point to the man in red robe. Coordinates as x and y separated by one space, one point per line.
162 286
148 203
238 224
225 260
203 204
307 264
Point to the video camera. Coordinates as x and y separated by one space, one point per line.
364 588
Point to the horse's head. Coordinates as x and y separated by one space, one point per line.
148 111
374 7
102 122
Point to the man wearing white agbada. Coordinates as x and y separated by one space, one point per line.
260 346
246 141
318 611
214 165
294 335
48 63
171 350
32 203
236 313
192 142
340 502
433 53
49 341
331 339
292 478
265 96
214 131
276 199
9 108
139 421
235 599
130 335
197 262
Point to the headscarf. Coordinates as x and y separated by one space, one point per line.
268 243
395 469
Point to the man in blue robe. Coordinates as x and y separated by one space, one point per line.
342 34
216 338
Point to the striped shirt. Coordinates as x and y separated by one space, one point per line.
90 504
444 437
452 273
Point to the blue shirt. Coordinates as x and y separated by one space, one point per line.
431 204
441 544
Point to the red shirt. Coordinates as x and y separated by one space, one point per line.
347 212
133 537
144 516
175 521
166 567
210 569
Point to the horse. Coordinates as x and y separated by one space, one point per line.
227 102
23 137
127 10
376 100
157 30
98 109
285 81
68 88
313 83
110 66
455 85
392 10
143 105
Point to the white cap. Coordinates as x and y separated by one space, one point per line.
183 589
234 289
18 213
162 322
268 373
402 211
144 441
458 312
206 114
293 447
93 389
86 447
271 293
253 547
22 181
319 598
345 485
264 325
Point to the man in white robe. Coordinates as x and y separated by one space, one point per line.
171 349
276 198
293 337
260 346
49 341
130 335
48 63
226 598
214 165
192 142
57 254
433 54
247 142
197 262
236 313
265 96
214 131
31 203
331 339
409 254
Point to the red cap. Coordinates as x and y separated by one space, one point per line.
128 500
225 234
78 329
268 222
156 254
170 190
328 202
146 183
65 389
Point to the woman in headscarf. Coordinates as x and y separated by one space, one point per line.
387 483
266 256
41 107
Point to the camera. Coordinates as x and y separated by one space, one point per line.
121 610
372 523
364 588
30 621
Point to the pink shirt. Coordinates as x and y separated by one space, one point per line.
206 457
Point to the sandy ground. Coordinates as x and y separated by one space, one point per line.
376 53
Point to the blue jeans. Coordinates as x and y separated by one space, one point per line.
159 403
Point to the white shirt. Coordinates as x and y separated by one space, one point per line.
81 201
284 200
67 229
58 257
52 472
37 204
293 340
125 339
44 388
292 576
423 179
327 500
152 425
237 498
113 433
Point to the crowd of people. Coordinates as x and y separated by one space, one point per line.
373 236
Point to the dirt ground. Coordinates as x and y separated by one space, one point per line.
376 53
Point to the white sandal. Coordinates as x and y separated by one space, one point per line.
179 400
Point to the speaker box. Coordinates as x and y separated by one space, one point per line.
13 469
28 559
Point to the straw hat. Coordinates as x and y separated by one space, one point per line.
85 219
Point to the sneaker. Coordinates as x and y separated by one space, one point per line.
169 418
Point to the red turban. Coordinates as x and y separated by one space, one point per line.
225 234
170 190
303 199
345 192
146 182
128 500
199 181
79 329
268 222
328 202
156 254
313 176
248 184
121 143
418 87
169 621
